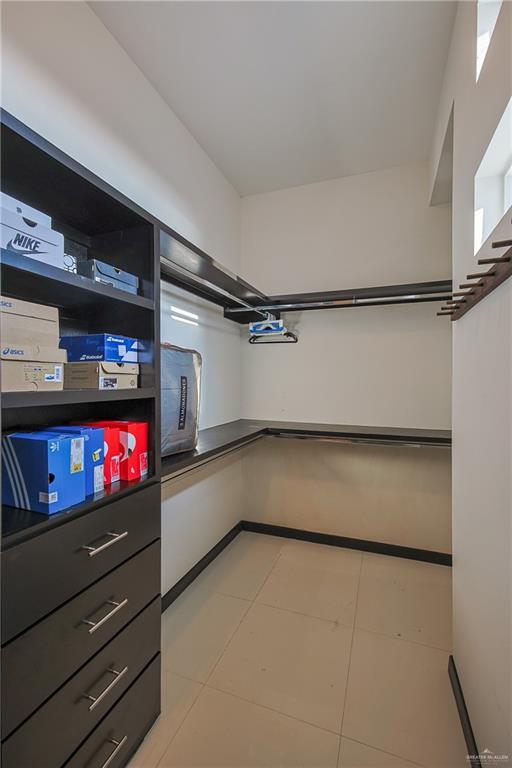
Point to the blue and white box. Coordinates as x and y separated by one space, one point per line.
101 346
43 471
94 454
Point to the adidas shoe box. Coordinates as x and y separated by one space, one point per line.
101 375
133 442
43 471
93 454
22 236
101 346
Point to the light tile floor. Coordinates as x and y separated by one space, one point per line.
285 653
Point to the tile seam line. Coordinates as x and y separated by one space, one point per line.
378 749
178 729
350 659
275 711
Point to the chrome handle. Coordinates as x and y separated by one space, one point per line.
118 745
98 699
94 625
114 538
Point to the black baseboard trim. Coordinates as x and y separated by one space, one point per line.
465 722
411 553
194 572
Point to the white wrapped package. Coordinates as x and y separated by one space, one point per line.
180 390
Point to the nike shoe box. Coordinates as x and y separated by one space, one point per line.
101 375
24 237
109 275
111 450
24 376
22 209
28 324
101 346
43 471
180 374
93 454
133 440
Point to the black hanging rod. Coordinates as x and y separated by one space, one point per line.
409 293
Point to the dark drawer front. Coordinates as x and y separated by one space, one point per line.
120 733
33 580
43 658
50 736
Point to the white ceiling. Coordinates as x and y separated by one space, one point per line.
287 93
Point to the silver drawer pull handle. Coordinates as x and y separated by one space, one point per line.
94 625
118 746
114 538
98 699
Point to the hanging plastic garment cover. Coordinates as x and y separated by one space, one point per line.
181 384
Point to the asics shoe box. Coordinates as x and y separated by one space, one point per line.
180 375
133 439
26 323
24 237
101 346
33 353
93 454
25 376
43 471
101 375
106 273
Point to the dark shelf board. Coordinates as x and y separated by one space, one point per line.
18 525
28 279
71 396
215 441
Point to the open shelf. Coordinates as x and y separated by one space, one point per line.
72 396
34 280
20 524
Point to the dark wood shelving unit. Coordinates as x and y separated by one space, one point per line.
47 566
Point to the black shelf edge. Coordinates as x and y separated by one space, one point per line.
215 441
19 525
71 396
62 288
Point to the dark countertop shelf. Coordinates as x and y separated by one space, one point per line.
47 284
226 437
19 525
71 396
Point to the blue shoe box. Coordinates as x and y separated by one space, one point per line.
94 454
43 471
101 346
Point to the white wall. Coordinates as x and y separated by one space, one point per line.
482 383
388 366
218 341
65 76
395 494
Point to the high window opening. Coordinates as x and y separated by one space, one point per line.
487 14
493 180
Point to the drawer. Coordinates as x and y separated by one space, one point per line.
117 737
40 660
46 571
49 737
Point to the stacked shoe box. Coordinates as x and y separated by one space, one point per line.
101 361
31 358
